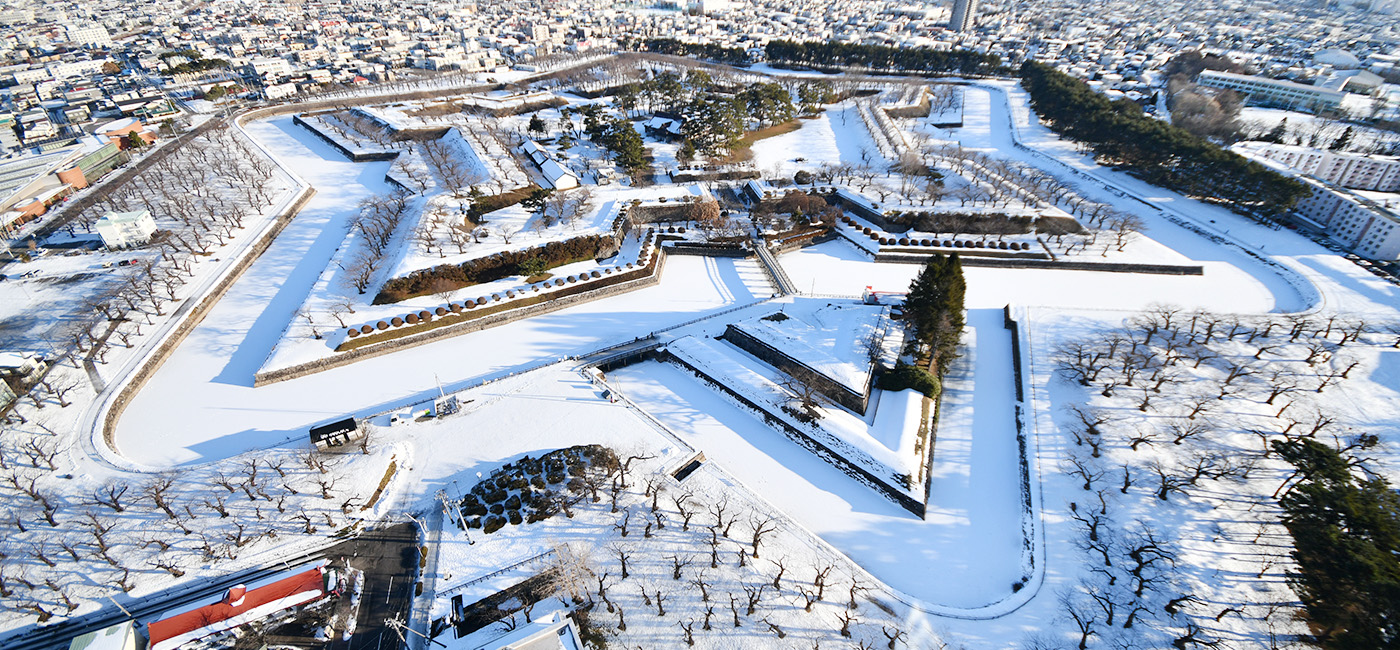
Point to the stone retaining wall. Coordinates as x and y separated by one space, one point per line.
720 250
829 388
899 497
344 151
1110 267
475 325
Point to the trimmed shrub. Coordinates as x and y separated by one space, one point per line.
366 329
493 524
905 376
513 503
514 517
497 508
411 319
396 321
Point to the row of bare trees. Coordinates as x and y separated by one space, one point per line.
1185 409
378 223
705 564
61 543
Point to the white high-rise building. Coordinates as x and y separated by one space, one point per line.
88 35
1368 228
964 13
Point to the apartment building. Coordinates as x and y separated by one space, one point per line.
1274 92
1369 228
1350 170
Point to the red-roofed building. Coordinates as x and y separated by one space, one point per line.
239 606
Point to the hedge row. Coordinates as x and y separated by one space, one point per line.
455 313
488 204
493 267
881 239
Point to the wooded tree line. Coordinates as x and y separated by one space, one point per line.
1346 537
1120 134
715 122
617 136
882 57
732 55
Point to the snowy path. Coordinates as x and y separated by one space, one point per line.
201 405
1315 271
974 495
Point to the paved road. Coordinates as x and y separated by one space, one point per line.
389 559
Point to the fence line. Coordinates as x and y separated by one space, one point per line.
455 589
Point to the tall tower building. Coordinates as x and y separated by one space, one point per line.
963 14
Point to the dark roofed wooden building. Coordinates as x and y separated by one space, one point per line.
335 434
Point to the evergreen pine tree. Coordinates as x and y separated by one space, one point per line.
537 125
934 310
1346 535
921 304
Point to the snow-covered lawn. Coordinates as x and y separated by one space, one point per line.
940 560
888 455
837 267
60 287
212 372
834 137
199 412
1310 130
830 338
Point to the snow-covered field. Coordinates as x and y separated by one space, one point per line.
835 136
955 575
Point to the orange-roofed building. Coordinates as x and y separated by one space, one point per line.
119 130
239 606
